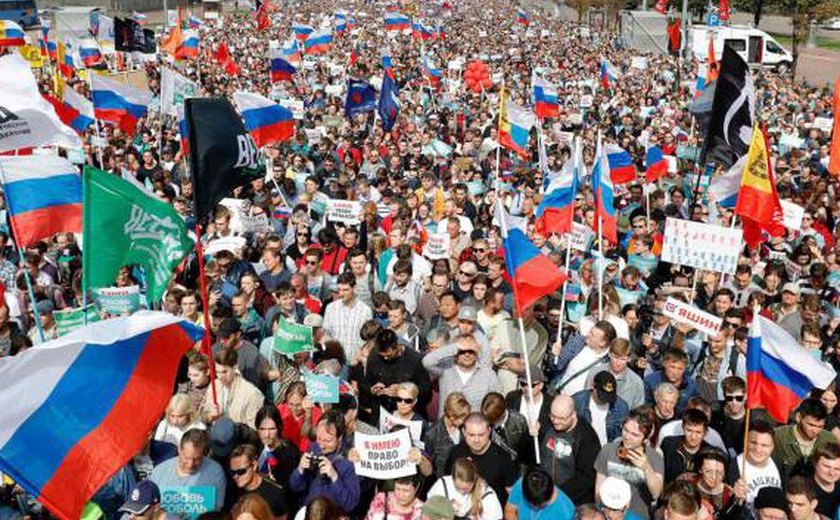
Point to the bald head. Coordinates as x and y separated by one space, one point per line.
563 414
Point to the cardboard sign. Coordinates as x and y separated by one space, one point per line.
321 388
118 300
581 236
638 62
291 338
68 320
684 313
188 501
295 105
793 214
346 211
384 457
387 420
437 246
254 223
703 246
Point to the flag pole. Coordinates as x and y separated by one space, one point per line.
205 340
499 130
531 415
601 269
576 143
22 263
96 123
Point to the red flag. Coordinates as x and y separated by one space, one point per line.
263 20
674 36
834 151
723 10
758 202
224 59
661 6
712 65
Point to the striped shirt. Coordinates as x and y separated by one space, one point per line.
344 323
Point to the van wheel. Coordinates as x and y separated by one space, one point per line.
783 67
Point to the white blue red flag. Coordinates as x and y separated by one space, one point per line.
268 122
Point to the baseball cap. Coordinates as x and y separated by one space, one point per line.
771 497
144 495
537 376
438 508
222 435
605 385
615 493
791 288
467 313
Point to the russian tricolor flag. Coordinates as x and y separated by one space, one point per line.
397 21
44 196
119 103
11 35
432 72
281 70
546 103
183 131
780 373
621 165
268 122
608 73
604 196
89 52
515 128
340 23
532 273
522 17
655 163
73 110
107 385
557 207
188 50
319 42
725 188
193 22
302 31
387 64
291 51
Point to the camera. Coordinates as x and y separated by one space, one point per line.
314 463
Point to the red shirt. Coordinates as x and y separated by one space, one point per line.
292 427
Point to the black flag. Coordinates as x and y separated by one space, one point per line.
223 155
733 112
124 34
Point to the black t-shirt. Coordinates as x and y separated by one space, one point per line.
271 492
495 466
731 431
827 503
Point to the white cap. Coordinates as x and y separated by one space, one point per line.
615 493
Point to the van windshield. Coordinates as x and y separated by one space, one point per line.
774 47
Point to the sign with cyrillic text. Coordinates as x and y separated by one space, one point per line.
384 456
684 313
703 246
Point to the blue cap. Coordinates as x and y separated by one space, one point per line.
144 495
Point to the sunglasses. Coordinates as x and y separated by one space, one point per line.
239 472
479 250
736 398
464 274
525 383
309 262
404 400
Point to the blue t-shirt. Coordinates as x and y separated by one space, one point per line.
561 509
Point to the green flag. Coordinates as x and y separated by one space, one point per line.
123 225
292 338
68 320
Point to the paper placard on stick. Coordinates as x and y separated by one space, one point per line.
384 456
255 223
346 211
118 300
684 313
581 236
387 420
793 214
321 388
703 246
437 246
825 124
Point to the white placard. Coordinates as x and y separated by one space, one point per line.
387 420
295 105
437 246
586 101
704 246
825 124
334 90
232 244
254 223
385 456
684 313
313 135
793 214
638 62
580 236
346 211
672 163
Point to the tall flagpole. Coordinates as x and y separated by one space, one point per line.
575 157
205 340
601 268
532 416
499 131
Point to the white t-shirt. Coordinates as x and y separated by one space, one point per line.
445 487
758 478
576 368
598 412
622 330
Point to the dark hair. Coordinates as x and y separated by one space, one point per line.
537 486
347 278
813 408
269 412
734 384
799 485
244 450
385 339
711 453
198 438
226 357
695 417
760 426
335 419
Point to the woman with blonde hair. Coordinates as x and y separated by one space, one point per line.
179 418
470 495
252 507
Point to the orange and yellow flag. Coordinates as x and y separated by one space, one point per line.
758 202
834 151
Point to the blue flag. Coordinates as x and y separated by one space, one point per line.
389 102
361 97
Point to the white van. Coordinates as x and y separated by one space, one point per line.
754 45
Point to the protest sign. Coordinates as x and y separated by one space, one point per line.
254 223
321 388
118 300
388 420
292 338
313 135
824 124
793 214
188 501
334 90
638 62
586 101
437 246
580 236
68 320
295 105
346 211
684 313
384 457
688 152
704 246
232 244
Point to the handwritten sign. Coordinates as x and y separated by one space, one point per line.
581 236
118 300
703 246
254 223
793 214
232 244
384 457
690 315
346 211
188 501
321 388
437 246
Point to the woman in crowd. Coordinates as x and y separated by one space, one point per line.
469 494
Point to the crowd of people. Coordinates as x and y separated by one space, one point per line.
626 413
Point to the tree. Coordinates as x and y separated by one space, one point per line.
756 7
802 13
